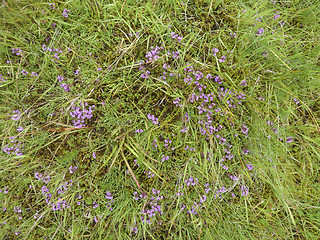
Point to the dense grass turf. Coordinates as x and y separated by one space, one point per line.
160 119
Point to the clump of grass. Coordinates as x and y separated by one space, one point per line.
159 120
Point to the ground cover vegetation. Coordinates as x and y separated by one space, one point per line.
159 119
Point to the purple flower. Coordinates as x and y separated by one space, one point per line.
185 129
145 75
176 101
94 155
296 101
250 167
244 190
234 178
164 158
139 130
65 87
24 72
153 118
153 54
16 116
203 199
245 130
289 139
108 196
276 15
174 35
19 129
72 169
215 51
16 51
65 13
260 31
223 58
60 78
243 83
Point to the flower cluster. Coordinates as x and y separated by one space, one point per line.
289 139
153 54
60 205
234 35
215 51
46 194
260 31
55 52
150 174
81 113
191 181
174 54
65 13
153 118
296 101
16 51
154 208
19 211
164 158
64 187
5 190
276 15
176 102
176 36
52 5
63 85
196 205
15 148
222 59
2 79
249 166
44 178
16 116
244 190
72 169
110 198
145 75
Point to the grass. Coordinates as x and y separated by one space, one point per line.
223 145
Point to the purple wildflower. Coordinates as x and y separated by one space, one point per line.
109 195
250 167
16 116
164 158
16 51
72 169
289 139
65 13
215 51
244 190
243 83
222 59
296 101
260 31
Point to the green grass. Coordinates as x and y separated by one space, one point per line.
255 176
